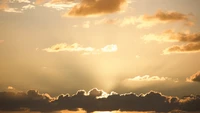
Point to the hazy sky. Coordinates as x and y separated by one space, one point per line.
62 46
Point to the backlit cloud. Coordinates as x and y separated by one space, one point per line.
148 78
79 48
194 78
96 7
186 48
147 21
60 4
191 40
32 100
10 88
29 6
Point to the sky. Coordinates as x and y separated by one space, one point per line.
99 56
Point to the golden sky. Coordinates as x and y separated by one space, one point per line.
64 46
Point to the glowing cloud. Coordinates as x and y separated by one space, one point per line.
32 100
109 48
148 78
96 7
79 48
194 78
10 88
65 47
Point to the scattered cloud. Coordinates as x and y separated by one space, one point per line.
109 48
12 10
96 7
147 21
71 48
191 40
186 48
194 78
79 48
32 100
106 21
20 1
60 4
148 78
29 6
171 36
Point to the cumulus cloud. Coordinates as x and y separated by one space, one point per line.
194 78
32 100
96 7
5 7
79 48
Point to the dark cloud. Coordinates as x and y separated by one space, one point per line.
194 78
94 101
94 7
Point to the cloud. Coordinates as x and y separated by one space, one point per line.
60 4
10 88
96 7
171 36
148 78
109 48
29 6
4 7
20 1
186 48
12 10
147 21
163 17
32 100
79 48
194 78
191 40
71 48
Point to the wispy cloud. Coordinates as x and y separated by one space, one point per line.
148 78
79 48
194 78
147 21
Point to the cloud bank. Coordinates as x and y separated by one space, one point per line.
152 101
